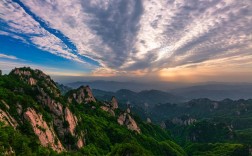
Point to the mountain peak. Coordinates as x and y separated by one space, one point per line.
36 78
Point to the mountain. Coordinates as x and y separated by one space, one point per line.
216 91
211 90
114 86
36 119
202 124
145 99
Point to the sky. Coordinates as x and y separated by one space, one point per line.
145 40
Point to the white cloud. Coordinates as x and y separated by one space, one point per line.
20 24
8 56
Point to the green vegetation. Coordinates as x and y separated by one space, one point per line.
12 141
218 149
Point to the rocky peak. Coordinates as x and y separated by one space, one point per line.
82 94
114 103
32 77
22 71
110 106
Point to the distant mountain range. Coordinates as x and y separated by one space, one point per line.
144 99
130 85
216 91
212 90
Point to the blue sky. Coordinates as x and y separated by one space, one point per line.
167 40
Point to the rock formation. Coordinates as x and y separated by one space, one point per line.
82 95
114 103
126 119
6 118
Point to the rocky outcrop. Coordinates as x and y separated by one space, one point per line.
32 81
6 118
9 151
114 103
183 121
19 109
163 125
148 120
110 107
45 133
55 107
80 143
82 95
20 72
126 119
5 104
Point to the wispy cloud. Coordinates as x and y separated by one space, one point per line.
17 23
8 57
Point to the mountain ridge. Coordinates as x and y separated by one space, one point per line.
75 123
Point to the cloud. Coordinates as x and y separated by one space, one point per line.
101 30
8 57
17 23
136 35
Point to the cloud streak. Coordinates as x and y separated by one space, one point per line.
8 57
18 24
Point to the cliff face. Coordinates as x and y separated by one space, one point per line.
45 133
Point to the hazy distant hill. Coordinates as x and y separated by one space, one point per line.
130 85
216 91
144 99
213 90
